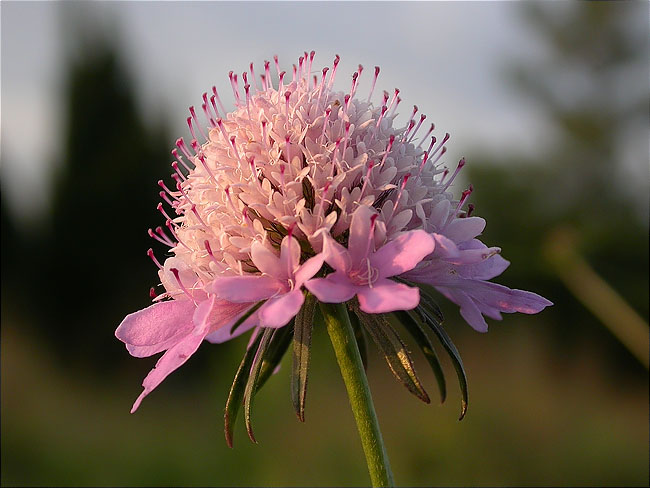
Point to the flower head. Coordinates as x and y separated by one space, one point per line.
299 174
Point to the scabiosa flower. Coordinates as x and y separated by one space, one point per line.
296 176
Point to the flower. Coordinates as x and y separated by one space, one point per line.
296 175
363 272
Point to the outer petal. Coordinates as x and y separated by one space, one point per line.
157 327
334 288
308 269
266 261
505 299
169 362
468 309
360 238
402 253
388 296
222 334
179 353
245 289
277 312
336 255
461 230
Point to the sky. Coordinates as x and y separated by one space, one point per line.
447 58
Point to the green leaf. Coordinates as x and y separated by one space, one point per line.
278 345
248 313
424 314
417 331
394 350
427 292
251 384
237 390
304 323
360 338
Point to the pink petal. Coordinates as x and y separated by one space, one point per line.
308 269
468 308
402 253
156 328
289 256
360 240
461 230
505 299
277 312
334 288
169 362
223 334
180 352
387 296
336 255
445 248
245 289
266 261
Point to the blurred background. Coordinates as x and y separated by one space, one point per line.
547 101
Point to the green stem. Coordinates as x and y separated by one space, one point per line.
354 376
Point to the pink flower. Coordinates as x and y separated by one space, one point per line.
280 284
363 272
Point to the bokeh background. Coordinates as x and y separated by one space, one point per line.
547 101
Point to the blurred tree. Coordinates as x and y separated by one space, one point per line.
91 262
589 89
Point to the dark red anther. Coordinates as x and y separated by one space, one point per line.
152 293
470 209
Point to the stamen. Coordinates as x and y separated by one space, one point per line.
406 133
164 196
170 226
371 234
178 171
423 163
214 106
235 87
394 98
180 283
196 121
277 63
196 213
401 190
252 71
162 185
470 209
160 208
463 197
333 74
287 151
216 95
206 243
391 140
374 82
287 95
153 258
392 112
265 135
461 163
179 158
433 126
152 292
281 81
165 241
311 60
267 71
371 165
422 117
180 144
223 129
327 117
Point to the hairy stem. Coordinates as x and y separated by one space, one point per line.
347 354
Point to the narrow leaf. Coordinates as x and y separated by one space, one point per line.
427 292
278 345
248 313
417 331
361 339
237 390
445 340
249 391
304 323
394 350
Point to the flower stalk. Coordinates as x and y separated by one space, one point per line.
347 354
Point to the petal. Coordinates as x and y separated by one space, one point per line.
157 327
336 255
360 239
277 312
223 333
402 253
308 269
289 256
485 270
245 289
388 296
503 298
468 309
334 288
445 248
265 260
169 362
460 230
